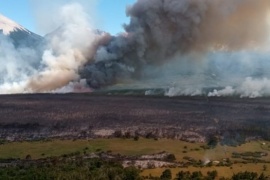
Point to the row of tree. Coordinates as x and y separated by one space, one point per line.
211 175
68 169
78 168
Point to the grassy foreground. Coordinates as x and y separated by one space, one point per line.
41 149
180 149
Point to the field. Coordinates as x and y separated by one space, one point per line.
39 116
53 125
41 149
122 146
222 171
125 147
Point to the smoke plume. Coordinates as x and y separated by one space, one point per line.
187 47
66 50
14 69
161 30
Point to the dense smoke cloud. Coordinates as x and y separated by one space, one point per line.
63 52
14 69
46 22
161 30
186 47
69 47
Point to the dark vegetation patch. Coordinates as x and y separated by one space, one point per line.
230 121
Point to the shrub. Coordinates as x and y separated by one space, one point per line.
136 138
166 175
245 175
28 157
171 157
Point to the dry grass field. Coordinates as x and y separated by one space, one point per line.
226 172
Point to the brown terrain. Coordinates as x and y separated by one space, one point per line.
232 120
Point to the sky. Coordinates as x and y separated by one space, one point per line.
110 15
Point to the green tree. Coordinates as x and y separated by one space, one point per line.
166 175
171 157
262 177
136 138
245 175
212 141
183 175
197 175
131 173
211 175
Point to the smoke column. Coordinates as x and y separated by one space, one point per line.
162 30
184 46
14 69
66 49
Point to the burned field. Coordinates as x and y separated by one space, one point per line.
231 120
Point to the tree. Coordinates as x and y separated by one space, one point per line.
197 175
131 173
183 175
212 175
212 141
118 134
166 175
245 175
171 158
127 135
262 177
28 157
136 138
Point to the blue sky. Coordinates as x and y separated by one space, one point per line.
111 14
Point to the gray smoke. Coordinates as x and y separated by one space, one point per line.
186 47
163 32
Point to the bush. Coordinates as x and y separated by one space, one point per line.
136 138
166 175
170 158
245 175
211 175
118 134
28 157
197 175
183 175
212 141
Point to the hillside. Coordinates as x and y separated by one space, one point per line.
19 35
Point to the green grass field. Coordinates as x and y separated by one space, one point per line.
125 147
180 149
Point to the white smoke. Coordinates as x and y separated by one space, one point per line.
178 91
17 64
68 49
47 21
74 87
251 88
